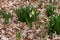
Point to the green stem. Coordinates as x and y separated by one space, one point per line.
29 23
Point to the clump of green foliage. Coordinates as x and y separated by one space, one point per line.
27 14
54 23
5 15
50 10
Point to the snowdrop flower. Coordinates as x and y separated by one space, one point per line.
43 3
32 13
24 6
7 13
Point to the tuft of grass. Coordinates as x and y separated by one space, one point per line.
54 24
5 15
54 20
50 10
57 24
27 14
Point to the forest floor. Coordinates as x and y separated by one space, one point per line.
16 30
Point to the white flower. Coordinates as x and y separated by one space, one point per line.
32 12
7 13
30 15
53 15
